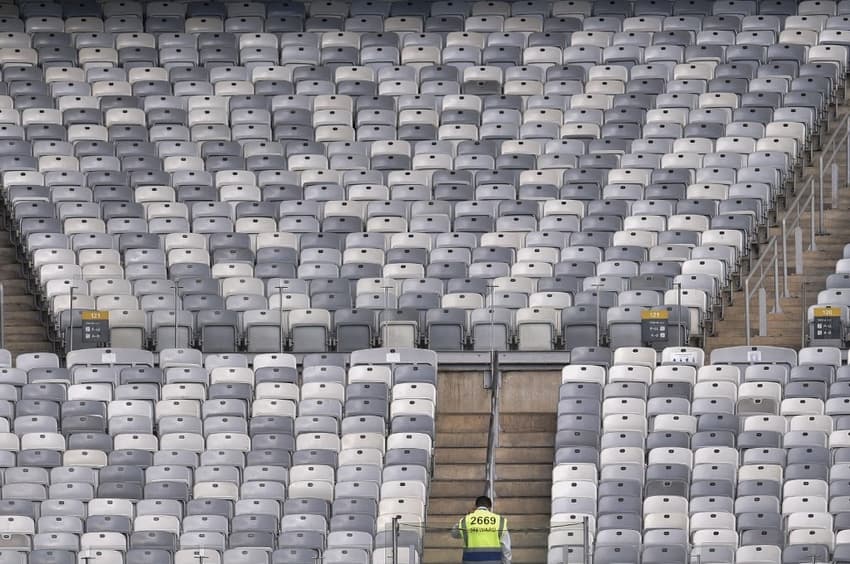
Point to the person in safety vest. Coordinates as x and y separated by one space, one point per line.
485 534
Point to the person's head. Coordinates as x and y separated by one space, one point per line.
483 501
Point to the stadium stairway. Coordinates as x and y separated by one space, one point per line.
460 459
24 329
524 457
784 329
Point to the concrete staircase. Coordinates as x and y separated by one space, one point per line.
460 460
24 329
787 329
524 459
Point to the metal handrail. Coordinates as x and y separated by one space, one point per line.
2 315
805 201
70 344
755 281
828 157
493 430
493 386
792 222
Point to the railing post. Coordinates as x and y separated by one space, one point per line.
491 313
820 194
777 306
798 256
834 195
2 316
176 301
803 311
586 538
747 308
681 325
786 292
71 319
762 300
597 287
813 246
395 539
280 290
847 150
493 431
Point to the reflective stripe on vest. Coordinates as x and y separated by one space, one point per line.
482 536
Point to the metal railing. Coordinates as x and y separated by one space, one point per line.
493 384
829 154
755 284
792 223
809 199
69 346
493 430
572 542
2 316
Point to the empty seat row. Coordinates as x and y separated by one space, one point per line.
214 476
662 454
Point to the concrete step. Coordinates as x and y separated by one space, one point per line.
449 471
465 456
527 424
525 506
22 315
530 472
25 331
465 423
530 455
14 285
20 300
520 440
456 485
522 488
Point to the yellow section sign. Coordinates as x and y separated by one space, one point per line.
654 314
94 315
827 311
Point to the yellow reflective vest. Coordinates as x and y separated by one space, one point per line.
482 531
